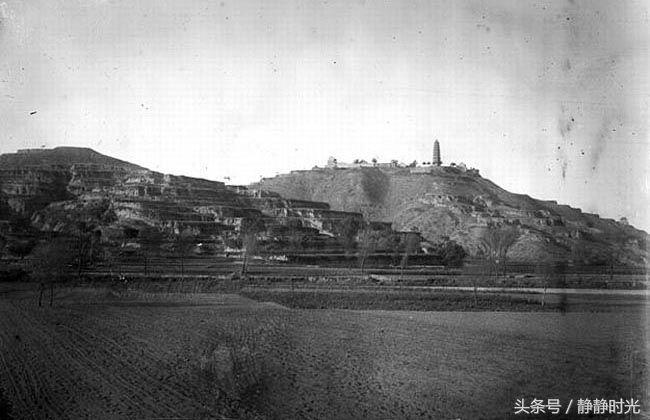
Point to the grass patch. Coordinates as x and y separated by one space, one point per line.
397 300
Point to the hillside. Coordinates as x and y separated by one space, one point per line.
453 202
65 189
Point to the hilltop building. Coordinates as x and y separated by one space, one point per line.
423 168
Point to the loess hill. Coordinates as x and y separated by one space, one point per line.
57 190
457 203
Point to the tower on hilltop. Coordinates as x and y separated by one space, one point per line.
436 153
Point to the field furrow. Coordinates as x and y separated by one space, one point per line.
224 356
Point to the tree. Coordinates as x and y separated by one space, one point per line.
150 240
392 243
52 259
86 237
450 252
544 270
616 254
368 241
411 244
183 243
249 247
495 243
3 243
475 271
579 252
296 240
347 231
553 274
249 229
21 247
295 236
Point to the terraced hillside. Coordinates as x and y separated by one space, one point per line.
57 190
453 202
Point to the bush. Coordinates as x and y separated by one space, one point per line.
21 247
14 274
451 253
235 370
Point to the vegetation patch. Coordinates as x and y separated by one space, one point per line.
5 407
233 370
397 300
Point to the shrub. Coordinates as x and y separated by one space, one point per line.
234 369
14 274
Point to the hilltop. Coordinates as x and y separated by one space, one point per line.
457 203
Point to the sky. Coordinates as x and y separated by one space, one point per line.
546 98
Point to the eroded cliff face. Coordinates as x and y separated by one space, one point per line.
458 204
60 189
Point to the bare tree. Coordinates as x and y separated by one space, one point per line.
249 247
411 244
495 243
544 270
250 229
552 274
616 254
52 260
347 231
150 240
85 236
3 243
476 270
183 243
368 241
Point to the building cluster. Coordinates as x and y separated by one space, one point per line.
423 167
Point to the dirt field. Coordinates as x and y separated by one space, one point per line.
105 354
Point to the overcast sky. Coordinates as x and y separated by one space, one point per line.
548 98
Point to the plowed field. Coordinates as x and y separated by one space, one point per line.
100 354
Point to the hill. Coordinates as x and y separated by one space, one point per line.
457 203
67 190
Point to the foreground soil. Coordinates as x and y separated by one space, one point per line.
101 353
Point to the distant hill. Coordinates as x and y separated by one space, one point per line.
457 203
60 156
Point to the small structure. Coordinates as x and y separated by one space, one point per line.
333 163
